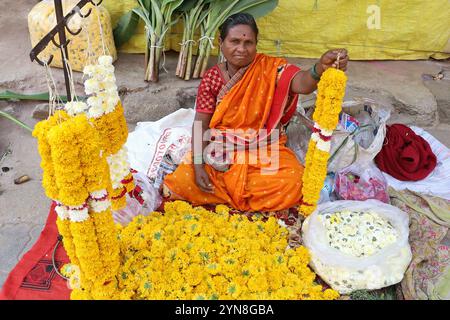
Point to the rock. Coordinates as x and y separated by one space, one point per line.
40 112
22 179
441 90
10 110
156 102
186 97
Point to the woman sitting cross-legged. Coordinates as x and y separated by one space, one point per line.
239 155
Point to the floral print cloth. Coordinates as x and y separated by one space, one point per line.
428 276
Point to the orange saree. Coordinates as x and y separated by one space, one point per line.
268 179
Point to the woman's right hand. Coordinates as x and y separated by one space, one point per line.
202 179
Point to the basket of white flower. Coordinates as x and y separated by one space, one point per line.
358 245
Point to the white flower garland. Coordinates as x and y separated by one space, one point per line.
99 201
119 167
75 107
102 87
74 214
321 144
62 212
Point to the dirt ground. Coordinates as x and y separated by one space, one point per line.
406 85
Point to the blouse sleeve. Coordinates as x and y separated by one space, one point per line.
208 91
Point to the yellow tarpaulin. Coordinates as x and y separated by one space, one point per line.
369 29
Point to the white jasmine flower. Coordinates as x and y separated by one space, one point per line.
99 206
105 60
62 212
77 215
103 95
89 70
91 86
108 108
113 100
75 107
109 87
95 112
110 78
95 102
107 70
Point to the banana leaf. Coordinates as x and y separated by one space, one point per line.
125 28
13 96
218 12
257 8
15 120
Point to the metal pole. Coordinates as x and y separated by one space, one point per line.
63 43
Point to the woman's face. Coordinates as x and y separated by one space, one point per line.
239 47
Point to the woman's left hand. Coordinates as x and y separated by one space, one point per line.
329 60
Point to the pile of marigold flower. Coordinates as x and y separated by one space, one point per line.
193 253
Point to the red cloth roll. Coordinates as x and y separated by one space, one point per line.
405 155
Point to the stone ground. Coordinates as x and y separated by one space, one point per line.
406 85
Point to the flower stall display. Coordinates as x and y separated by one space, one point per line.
330 95
358 245
182 253
106 113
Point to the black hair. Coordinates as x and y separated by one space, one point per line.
237 19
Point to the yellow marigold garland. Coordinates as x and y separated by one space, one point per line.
118 198
108 243
331 91
64 230
105 110
95 167
128 182
66 149
40 132
87 251
70 149
113 130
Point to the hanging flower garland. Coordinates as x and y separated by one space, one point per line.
331 91
40 133
72 161
107 115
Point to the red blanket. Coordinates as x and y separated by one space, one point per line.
34 277
405 155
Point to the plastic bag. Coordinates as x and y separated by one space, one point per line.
42 19
361 181
328 193
361 144
298 133
346 273
155 148
143 200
